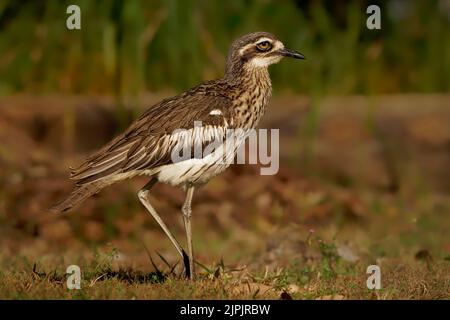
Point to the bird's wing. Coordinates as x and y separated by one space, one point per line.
149 141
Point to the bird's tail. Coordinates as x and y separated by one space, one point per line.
78 195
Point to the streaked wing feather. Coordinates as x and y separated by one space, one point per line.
146 144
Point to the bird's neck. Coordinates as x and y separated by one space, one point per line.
253 95
256 81
249 78
240 72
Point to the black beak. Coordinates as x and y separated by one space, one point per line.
291 53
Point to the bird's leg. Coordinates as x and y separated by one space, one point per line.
143 193
187 212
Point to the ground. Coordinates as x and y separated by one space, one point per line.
341 202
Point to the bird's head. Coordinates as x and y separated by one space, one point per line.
257 50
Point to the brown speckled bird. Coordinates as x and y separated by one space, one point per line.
236 101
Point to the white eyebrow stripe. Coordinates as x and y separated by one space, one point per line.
215 112
277 44
264 39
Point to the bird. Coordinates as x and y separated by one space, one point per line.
237 101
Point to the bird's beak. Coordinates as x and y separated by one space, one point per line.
291 53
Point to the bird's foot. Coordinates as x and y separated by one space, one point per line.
187 267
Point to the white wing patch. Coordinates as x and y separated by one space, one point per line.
215 112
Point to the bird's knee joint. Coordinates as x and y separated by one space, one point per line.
142 195
187 212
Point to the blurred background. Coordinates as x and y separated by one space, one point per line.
364 126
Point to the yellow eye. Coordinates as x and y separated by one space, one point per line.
264 46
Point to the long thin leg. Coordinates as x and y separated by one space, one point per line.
143 193
187 212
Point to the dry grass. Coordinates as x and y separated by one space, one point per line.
400 280
326 263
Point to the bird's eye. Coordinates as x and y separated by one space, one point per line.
264 46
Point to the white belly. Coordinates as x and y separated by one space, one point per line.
194 171
199 171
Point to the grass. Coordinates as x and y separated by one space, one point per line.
318 280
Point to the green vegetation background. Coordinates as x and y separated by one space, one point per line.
127 47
